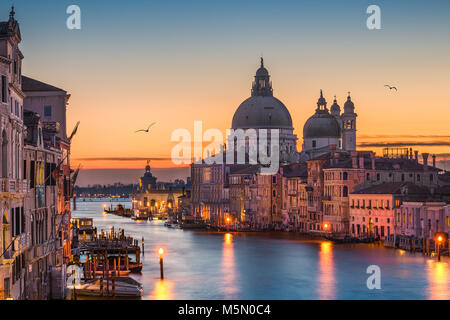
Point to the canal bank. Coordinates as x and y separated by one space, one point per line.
211 265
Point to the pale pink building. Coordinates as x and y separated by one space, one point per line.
372 209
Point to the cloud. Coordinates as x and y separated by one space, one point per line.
405 144
402 136
124 159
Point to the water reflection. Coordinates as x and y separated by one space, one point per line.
438 280
327 282
163 290
228 267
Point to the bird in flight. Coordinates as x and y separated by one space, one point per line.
148 129
390 88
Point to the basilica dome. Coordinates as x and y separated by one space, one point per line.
262 110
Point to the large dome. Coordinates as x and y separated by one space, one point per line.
262 112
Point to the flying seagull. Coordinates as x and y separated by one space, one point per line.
148 129
390 88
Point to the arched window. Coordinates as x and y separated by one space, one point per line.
345 191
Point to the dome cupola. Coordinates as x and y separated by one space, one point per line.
349 106
335 108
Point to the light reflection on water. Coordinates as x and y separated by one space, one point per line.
327 283
210 265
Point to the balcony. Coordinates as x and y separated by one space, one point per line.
13 186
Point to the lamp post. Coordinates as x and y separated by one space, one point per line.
161 263
439 239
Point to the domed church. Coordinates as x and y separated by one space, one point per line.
325 129
263 111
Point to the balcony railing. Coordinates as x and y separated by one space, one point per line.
14 185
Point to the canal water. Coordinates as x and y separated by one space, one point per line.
209 265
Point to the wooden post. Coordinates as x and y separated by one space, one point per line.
126 257
74 297
118 264
143 246
107 273
113 279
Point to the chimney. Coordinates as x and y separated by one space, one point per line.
425 160
416 155
434 161
410 153
354 161
372 157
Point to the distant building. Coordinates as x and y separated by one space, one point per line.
153 200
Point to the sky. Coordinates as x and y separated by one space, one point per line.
173 62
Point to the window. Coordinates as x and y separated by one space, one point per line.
403 177
345 191
4 85
431 177
314 143
48 111
345 176
418 177
378 177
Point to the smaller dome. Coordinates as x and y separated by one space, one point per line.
349 106
322 125
335 108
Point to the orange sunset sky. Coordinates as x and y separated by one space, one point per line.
177 64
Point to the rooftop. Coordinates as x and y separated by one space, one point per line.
32 85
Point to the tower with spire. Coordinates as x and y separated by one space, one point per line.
349 125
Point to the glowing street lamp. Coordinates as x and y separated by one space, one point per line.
161 263
439 240
325 226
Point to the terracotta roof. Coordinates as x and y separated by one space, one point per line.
400 188
30 85
244 169
295 170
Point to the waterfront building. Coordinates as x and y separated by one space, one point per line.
372 209
210 192
50 105
44 210
36 185
251 197
150 199
14 237
418 222
295 196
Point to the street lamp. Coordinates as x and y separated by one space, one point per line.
325 226
161 263
439 239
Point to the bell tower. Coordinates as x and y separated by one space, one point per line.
349 126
